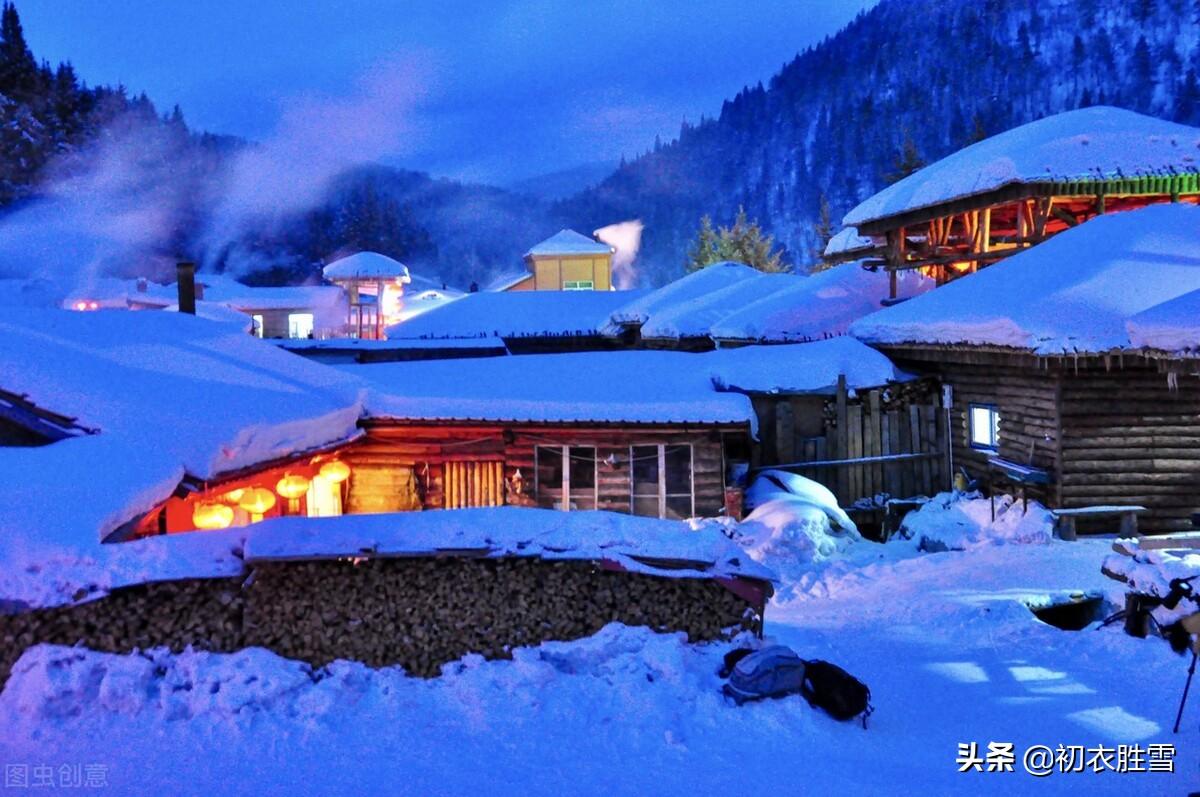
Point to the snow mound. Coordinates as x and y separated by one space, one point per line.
788 530
773 484
795 523
1150 572
53 683
961 521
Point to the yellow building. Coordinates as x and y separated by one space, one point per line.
566 261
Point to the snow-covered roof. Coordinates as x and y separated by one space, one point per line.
1073 293
213 311
518 314
507 279
224 290
631 541
1173 326
697 285
169 395
1085 144
847 242
366 265
365 344
419 283
111 292
595 387
803 367
569 242
695 317
818 306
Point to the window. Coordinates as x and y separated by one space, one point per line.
983 427
565 471
661 481
300 325
579 285
257 319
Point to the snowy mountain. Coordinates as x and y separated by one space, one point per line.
907 82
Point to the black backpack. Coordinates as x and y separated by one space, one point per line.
841 695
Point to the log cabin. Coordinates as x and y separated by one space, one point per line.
1001 196
574 432
1058 379
566 432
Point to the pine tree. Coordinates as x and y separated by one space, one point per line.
741 242
704 251
18 69
1189 99
822 232
1142 85
907 161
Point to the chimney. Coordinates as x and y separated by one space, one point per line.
142 284
185 279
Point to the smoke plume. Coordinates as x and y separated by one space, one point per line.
626 238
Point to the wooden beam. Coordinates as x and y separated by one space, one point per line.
1064 216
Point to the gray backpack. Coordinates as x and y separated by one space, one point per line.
774 671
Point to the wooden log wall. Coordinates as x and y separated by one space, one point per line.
458 465
1109 432
1128 438
419 613
1026 396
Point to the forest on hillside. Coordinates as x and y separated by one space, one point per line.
906 82
924 76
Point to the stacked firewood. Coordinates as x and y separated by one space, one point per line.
203 613
418 613
423 613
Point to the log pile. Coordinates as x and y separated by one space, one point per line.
423 613
203 613
419 613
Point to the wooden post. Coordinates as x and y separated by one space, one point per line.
841 450
984 237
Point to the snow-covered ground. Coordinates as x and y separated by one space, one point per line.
944 640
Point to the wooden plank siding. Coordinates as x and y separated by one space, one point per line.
829 429
431 450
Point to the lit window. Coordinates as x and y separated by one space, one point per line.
984 427
579 285
661 481
258 325
565 471
300 325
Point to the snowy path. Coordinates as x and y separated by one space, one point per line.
950 654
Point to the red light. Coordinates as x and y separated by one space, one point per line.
80 305
93 305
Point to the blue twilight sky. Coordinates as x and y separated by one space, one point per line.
490 91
